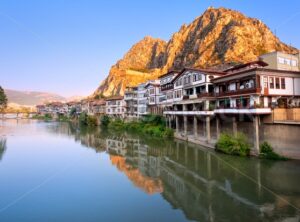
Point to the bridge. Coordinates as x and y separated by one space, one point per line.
16 115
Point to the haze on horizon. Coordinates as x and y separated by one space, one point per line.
67 47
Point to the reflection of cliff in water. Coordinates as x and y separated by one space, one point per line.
206 186
2 147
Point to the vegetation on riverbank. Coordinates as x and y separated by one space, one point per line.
87 120
267 152
151 125
233 145
3 100
238 145
46 117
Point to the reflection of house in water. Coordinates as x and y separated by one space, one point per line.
206 189
2 146
203 186
147 184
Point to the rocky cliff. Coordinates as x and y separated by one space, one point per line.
219 36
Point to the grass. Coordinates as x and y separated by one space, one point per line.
233 145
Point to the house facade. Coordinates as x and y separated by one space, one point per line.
281 61
131 99
116 107
153 95
142 100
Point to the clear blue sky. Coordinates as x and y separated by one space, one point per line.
68 46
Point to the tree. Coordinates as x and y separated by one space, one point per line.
3 100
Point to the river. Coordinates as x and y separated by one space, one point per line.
58 172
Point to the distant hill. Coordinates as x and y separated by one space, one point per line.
30 98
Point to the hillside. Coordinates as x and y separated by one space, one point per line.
28 98
219 36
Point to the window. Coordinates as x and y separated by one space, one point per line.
271 83
294 63
282 83
287 62
178 94
281 60
277 82
195 78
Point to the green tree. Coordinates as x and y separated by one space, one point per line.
3 100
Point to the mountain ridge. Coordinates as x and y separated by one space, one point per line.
33 98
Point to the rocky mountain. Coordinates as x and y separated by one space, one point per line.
219 36
29 98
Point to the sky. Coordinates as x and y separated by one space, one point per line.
68 46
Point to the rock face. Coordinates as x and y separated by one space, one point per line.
219 36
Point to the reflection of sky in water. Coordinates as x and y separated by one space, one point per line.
54 172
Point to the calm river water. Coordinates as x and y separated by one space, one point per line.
58 172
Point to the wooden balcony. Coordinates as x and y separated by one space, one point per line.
239 92
198 96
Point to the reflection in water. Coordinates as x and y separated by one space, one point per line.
206 186
2 146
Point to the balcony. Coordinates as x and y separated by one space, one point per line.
190 113
198 96
239 92
256 111
166 87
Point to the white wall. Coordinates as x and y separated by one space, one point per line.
297 86
288 88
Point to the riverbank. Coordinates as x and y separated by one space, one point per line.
150 125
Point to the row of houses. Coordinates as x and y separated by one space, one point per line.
254 87
251 88
196 100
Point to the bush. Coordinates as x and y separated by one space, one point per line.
151 125
154 120
233 145
105 121
63 118
46 117
267 152
92 121
83 119
73 112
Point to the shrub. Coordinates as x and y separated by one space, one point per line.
83 119
233 145
73 112
92 121
154 120
267 152
105 121
47 116
152 125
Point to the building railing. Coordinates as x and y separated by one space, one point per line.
198 95
238 92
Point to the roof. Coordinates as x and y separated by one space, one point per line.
114 98
172 72
152 84
257 62
98 102
206 71
257 69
